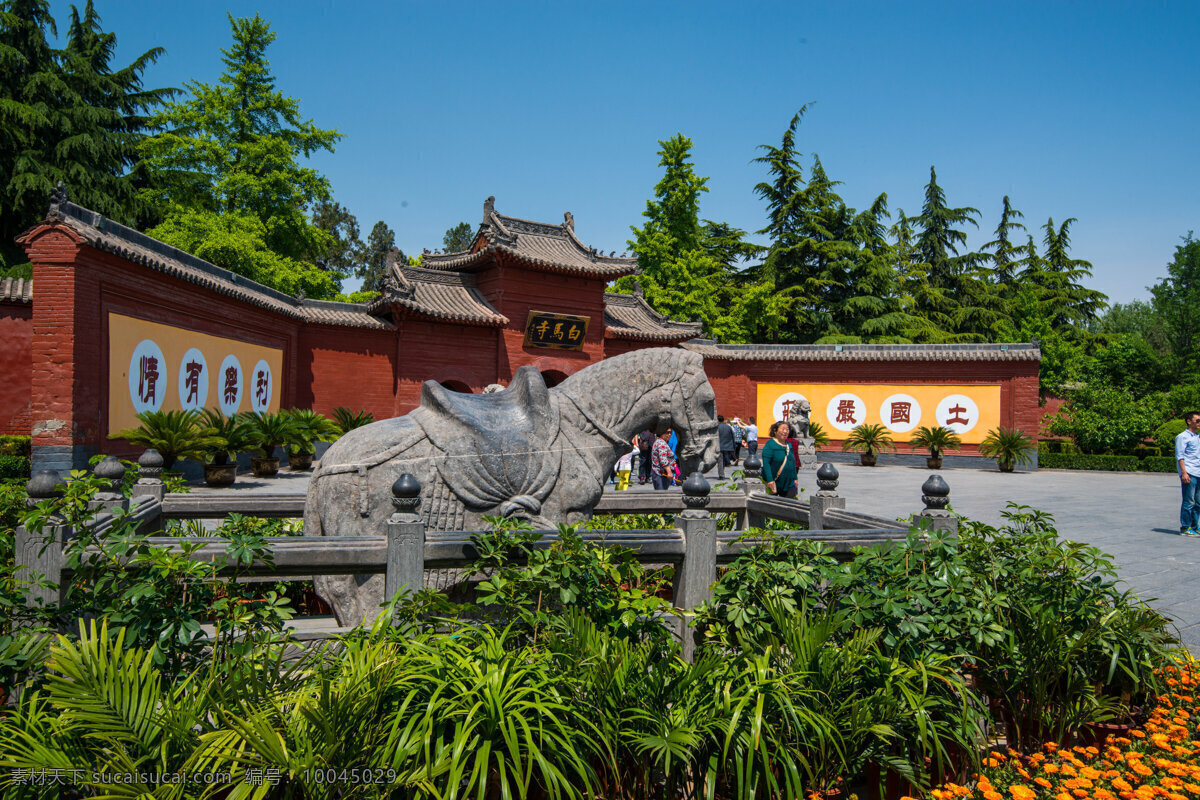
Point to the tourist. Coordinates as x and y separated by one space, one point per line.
645 441
625 466
1187 453
725 440
663 461
752 437
778 462
739 436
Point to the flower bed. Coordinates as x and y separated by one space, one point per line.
1159 760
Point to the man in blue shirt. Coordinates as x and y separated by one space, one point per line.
1187 453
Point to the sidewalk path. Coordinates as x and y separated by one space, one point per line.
1131 516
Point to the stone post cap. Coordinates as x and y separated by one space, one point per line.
406 494
695 494
935 493
753 464
827 477
45 483
150 466
112 470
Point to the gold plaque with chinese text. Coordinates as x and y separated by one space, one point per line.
555 331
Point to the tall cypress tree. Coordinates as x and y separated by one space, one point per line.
226 166
67 116
1006 261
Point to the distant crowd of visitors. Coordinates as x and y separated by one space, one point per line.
654 457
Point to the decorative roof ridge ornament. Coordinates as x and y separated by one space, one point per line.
637 288
568 220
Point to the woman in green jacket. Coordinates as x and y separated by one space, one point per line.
778 463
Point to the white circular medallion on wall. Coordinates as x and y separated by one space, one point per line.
783 405
193 380
261 386
846 411
229 385
900 413
958 413
147 377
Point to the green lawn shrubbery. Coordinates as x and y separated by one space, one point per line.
561 681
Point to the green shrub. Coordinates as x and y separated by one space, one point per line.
14 468
1085 461
1164 435
15 446
1159 464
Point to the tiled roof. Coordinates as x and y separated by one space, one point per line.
629 316
552 248
16 290
449 296
111 237
865 352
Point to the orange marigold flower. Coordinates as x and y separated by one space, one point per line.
1050 746
1042 782
1079 793
1021 792
1069 771
1090 772
1191 787
1024 773
1050 768
1176 796
1122 784
1137 734
993 796
991 762
998 756
1063 796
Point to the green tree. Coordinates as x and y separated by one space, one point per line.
1058 278
458 238
67 116
1006 260
226 164
1175 300
380 242
345 251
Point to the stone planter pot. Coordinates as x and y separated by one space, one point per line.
264 467
1007 467
220 474
867 459
299 462
933 463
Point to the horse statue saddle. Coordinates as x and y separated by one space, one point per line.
496 449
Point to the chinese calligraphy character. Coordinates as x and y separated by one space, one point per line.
846 412
231 384
558 331
147 378
900 412
254 776
574 332
272 776
262 387
541 329
957 410
192 380
787 408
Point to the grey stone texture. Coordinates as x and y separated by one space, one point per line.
528 452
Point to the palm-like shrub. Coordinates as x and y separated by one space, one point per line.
270 430
347 420
174 434
1009 446
310 427
235 433
819 436
869 439
936 440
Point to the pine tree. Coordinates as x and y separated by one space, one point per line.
1005 253
345 252
458 238
226 165
380 242
66 116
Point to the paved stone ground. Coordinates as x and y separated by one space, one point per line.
1131 516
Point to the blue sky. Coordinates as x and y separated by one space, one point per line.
1086 110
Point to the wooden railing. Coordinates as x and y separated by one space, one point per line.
405 549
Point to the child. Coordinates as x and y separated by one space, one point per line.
625 467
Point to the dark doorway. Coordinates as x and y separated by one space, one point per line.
553 377
457 386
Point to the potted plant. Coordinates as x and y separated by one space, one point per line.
347 420
817 434
868 439
174 434
269 431
236 436
937 441
309 428
1009 446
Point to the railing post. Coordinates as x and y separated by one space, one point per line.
406 539
935 493
112 497
695 576
825 498
42 551
149 484
750 484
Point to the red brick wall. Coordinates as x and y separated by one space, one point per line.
16 367
348 367
442 352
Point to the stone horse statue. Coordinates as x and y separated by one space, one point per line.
528 452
